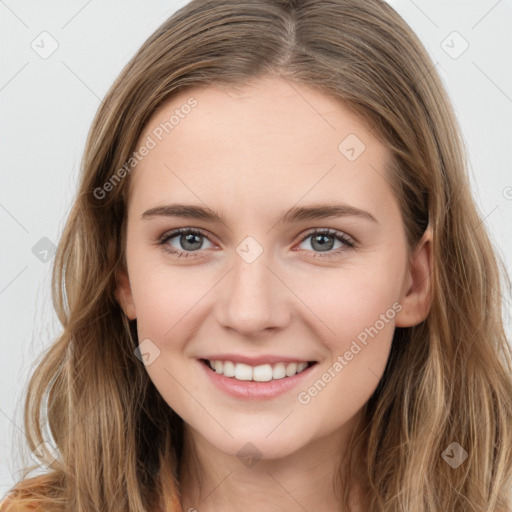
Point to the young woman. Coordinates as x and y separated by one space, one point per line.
275 290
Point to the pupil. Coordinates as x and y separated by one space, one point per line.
322 244
189 239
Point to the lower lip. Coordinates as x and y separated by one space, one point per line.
254 390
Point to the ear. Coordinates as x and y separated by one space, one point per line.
416 297
123 292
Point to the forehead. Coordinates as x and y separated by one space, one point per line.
270 137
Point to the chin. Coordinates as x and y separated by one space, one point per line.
258 445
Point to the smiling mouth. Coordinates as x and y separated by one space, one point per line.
260 373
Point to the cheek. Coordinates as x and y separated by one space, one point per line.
166 301
358 305
355 298
164 296
359 312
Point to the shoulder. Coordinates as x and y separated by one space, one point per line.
17 508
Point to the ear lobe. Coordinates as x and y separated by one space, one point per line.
416 296
123 293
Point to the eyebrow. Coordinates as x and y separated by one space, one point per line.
295 214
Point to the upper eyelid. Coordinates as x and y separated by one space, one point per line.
175 232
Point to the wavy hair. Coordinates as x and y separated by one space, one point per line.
447 380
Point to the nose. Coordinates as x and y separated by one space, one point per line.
254 297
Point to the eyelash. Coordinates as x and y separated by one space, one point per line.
348 243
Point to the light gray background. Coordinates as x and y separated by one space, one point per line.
47 106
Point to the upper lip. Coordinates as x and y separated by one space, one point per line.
256 360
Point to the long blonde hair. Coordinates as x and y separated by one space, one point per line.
448 380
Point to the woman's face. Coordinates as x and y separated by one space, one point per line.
254 171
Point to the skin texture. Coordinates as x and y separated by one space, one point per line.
250 154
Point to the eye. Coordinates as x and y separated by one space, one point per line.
188 240
324 239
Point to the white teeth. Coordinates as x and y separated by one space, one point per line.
291 369
243 372
262 373
279 371
229 369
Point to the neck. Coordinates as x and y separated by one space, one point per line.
213 481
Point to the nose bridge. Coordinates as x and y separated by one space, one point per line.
254 299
